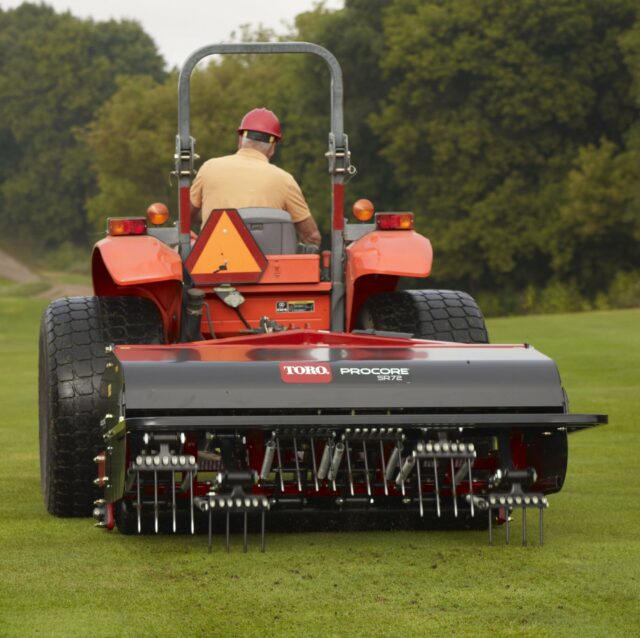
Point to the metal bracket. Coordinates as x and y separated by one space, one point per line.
515 497
184 159
340 158
235 501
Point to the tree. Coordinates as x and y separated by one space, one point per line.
132 139
55 71
491 103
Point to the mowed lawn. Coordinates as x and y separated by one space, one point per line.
65 578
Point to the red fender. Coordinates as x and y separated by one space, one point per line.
378 259
140 266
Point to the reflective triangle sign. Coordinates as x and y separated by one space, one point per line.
225 252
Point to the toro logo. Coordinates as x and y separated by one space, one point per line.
305 373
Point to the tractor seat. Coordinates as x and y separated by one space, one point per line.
272 229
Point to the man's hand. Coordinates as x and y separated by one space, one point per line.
308 232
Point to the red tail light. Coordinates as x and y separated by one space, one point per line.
394 221
126 226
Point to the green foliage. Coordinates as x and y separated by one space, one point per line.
510 128
72 260
132 143
55 71
597 231
624 291
490 104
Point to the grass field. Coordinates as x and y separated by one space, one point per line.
65 578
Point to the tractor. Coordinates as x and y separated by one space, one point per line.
214 380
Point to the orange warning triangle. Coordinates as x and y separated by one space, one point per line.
225 251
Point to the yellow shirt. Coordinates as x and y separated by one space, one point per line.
245 180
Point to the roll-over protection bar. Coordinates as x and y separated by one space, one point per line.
338 153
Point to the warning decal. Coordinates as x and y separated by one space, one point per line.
226 251
295 306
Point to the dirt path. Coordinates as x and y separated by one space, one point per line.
14 271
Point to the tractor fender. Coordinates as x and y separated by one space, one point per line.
378 259
140 266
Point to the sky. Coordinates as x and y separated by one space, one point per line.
180 27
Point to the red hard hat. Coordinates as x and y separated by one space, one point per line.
262 121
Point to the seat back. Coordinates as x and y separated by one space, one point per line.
272 229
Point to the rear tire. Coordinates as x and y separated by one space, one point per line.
73 334
440 315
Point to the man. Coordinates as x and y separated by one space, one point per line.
247 179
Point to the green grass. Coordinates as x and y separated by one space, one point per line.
13 289
65 578
61 277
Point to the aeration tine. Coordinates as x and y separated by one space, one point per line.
419 488
349 474
295 455
155 500
524 526
506 529
262 531
437 486
384 469
210 531
400 466
490 525
453 490
470 488
244 536
331 474
313 461
193 527
541 538
366 467
227 531
279 464
139 503
173 499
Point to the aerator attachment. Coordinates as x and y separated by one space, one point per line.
451 453
516 497
162 459
230 497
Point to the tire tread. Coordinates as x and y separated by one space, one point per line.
73 334
440 315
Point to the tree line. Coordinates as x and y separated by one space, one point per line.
510 129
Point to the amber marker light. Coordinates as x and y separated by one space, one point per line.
126 226
363 210
157 214
394 221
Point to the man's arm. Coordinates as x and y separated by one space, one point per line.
308 232
196 216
